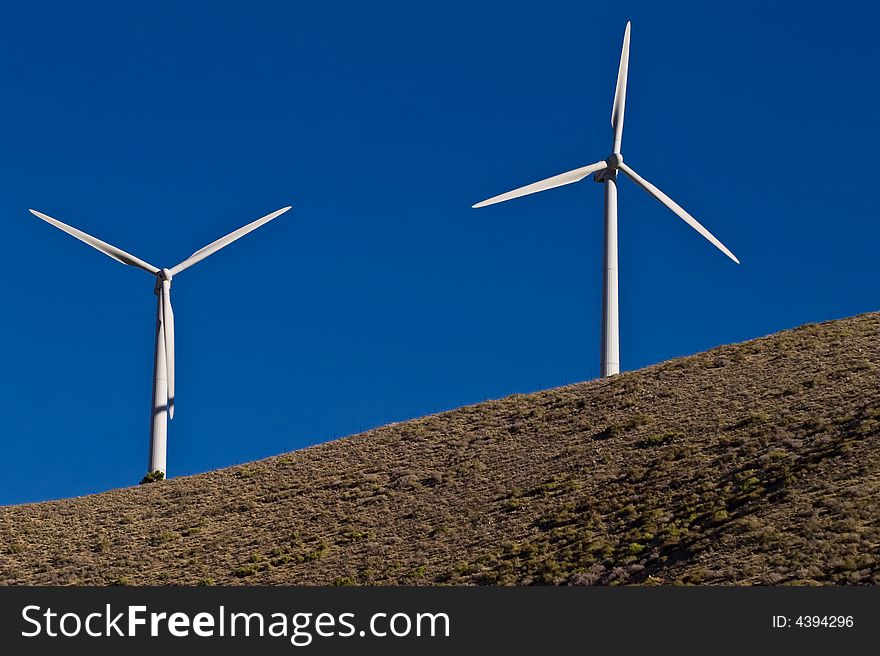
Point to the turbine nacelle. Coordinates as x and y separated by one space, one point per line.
162 276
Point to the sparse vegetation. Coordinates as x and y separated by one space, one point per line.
756 463
661 438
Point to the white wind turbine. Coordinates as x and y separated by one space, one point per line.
606 171
163 373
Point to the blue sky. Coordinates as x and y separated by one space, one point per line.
382 295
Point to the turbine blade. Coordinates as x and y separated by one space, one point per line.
116 253
215 246
677 209
168 330
619 106
556 181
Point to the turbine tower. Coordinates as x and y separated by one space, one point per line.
162 408
606 172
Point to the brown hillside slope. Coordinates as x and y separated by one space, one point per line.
752 463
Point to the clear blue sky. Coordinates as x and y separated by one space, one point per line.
382 295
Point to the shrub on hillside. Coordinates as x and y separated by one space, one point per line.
152 477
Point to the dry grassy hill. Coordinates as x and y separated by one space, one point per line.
753 463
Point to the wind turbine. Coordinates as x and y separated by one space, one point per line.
606 172
163 372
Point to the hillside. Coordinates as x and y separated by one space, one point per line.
756 463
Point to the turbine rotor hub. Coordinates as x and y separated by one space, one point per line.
613 161
162 277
